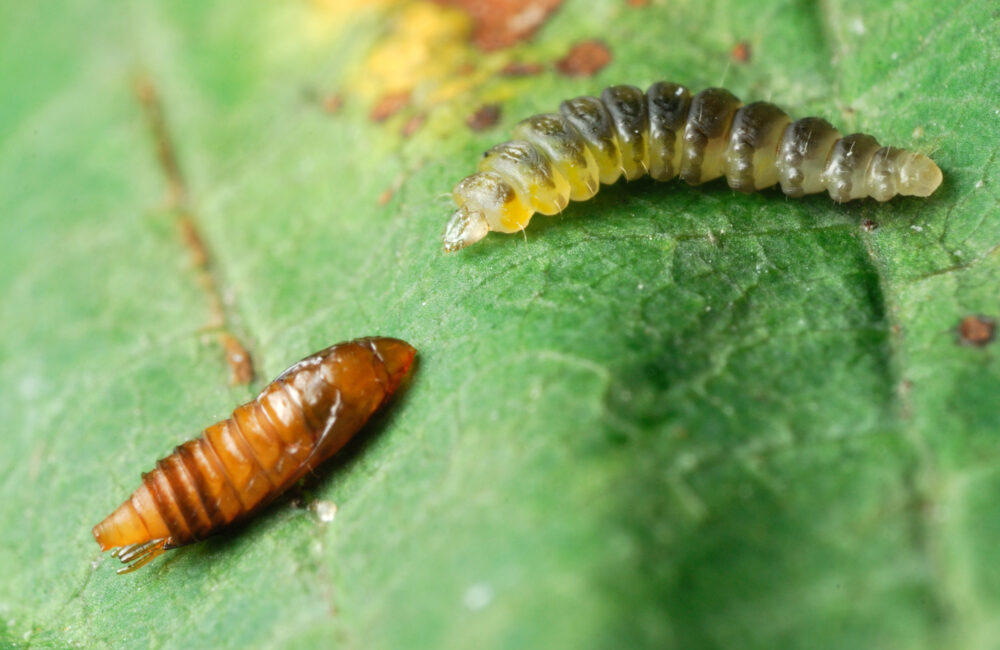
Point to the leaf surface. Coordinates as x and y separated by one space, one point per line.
670 417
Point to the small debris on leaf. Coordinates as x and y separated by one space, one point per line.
740 52
868 225
326 511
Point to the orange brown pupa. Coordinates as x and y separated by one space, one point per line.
240 464
666 132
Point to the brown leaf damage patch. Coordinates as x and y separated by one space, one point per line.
740 52
430 54
498 24
977 331
485 117
413 125
389 105
584 59
237 357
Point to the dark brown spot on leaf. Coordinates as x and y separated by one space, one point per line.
740 52
501 23
389 105
486 116
868 225
584 59
977 331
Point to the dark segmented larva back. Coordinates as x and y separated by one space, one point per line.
753 143
238 465
668 105
666 133
711 113
590 119
627 107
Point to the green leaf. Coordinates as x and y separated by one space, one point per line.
671 417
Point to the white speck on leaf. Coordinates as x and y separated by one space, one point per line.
478 596
326 511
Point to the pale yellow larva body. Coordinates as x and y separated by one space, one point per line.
666 132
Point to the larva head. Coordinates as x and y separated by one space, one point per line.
466 227
919 176
485 202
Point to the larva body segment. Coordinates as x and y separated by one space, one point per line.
666 132
667 105
753 144
530 173
570 156
705 135
240 464
627 107
590 119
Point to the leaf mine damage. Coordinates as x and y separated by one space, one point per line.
236 355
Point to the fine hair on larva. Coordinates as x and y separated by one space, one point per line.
668 132
240 464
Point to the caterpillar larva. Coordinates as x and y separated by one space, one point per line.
238 465
665 132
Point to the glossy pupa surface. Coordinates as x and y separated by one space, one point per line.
240 464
